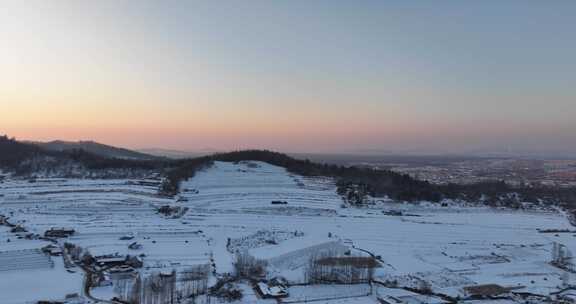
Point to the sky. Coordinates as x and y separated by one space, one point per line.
293 76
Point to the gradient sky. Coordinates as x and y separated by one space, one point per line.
305 76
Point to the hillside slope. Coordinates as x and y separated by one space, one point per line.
94 148
13 152
24 158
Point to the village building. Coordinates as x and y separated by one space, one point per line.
18 229
110 261
121 269
270 292
135 246
52 250
485 291
59 233
127 237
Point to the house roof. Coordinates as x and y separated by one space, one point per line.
111 259
274 291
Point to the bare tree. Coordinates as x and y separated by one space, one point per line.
328 267
247 266
194 281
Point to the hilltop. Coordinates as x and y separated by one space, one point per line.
28 159
355 184
94 148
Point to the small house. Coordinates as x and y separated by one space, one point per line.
485 291
135 246
18 229
271 292
59 233
52 250
105 281
109 261
134 261
121 269
127 237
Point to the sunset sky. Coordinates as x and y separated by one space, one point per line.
296 76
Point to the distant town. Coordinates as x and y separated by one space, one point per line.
514 171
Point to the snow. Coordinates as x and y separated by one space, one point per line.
448 247
326 292
22 286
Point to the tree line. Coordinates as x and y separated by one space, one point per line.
379 182
24 158
18 157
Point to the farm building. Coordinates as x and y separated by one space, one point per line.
268 292
52 250
135 246
127 237
18 229
109 261
485 291
121 269
59 232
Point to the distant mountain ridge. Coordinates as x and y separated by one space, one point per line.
354 184
174 154
94 148
82 159
13 152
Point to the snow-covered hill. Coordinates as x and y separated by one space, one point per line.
281 218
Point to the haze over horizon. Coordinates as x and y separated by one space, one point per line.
297 76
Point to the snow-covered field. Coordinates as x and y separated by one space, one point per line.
101 211
26 274
231 203
451 247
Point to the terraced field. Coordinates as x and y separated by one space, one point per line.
451 247
27 259
101 212
448 247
